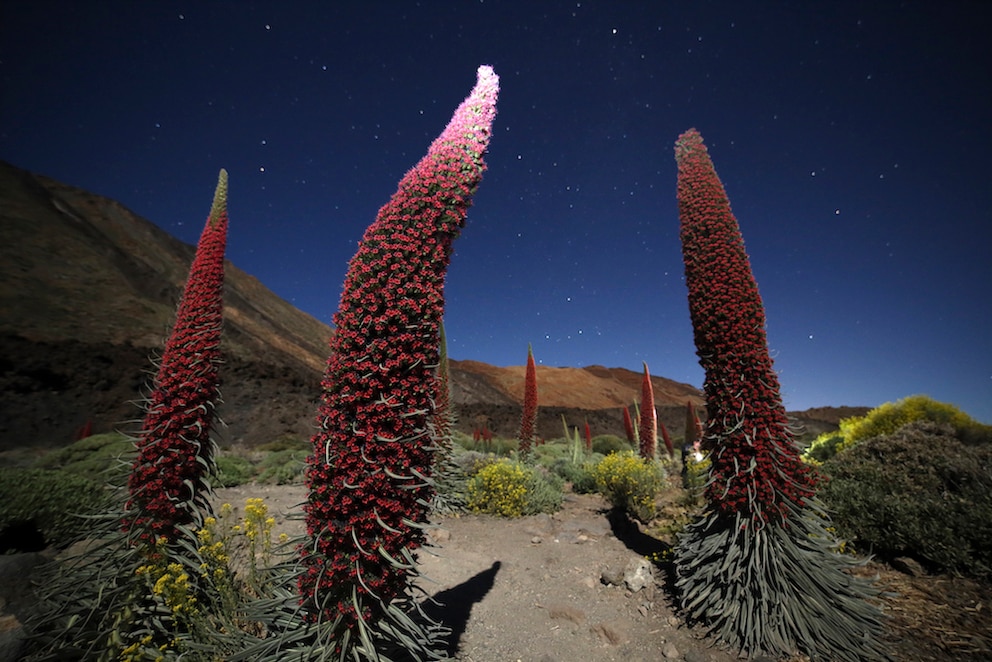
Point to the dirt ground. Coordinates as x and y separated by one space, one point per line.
550 588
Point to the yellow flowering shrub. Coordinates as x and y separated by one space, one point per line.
499 488
629 482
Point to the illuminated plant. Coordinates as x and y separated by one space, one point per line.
758 566
528 420
648 427
167 485
369 478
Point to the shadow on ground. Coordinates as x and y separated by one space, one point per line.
453 607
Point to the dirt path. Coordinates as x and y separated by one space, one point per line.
551 588
532 589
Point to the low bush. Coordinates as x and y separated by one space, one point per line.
889 417
286 442
918 492
629 483
283 467
232 470
100 457
605 444
509 488
54 501
579 475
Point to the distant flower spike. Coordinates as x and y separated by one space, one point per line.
168 482
758 566
528 420
648 427
667 439
368 477
628 425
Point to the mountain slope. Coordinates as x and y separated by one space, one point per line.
88 292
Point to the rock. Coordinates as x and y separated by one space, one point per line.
536 540
637 575
908 566
611 576
695 656
439 535
670 652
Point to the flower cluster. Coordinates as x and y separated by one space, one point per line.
756 467
648 426
528 420
500 489
368 477
629 483
167 483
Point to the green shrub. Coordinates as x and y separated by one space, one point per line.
919 492
233 470
509 488
286 442
605 444
629 483
544 492
100 457
889 417
579 475
283 467
54 500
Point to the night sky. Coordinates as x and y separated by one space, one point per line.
853 138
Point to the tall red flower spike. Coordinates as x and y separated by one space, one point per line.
667 439
628 425
588 438
758 565
648 426
167 485
369 475
528 420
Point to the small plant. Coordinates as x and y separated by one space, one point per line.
629 483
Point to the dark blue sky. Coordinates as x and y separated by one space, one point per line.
853 139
